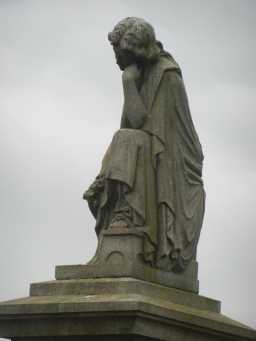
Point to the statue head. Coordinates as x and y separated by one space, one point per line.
133 40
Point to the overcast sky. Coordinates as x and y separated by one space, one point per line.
60 103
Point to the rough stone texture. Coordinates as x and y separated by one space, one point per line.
116 309
111 286
119 255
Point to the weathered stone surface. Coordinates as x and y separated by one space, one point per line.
119 255
108 316
151 173
111 286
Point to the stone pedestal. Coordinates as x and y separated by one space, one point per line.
117 297
111 309
119 254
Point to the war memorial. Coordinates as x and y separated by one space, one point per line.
148 201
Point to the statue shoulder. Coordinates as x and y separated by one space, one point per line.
168 64
156 73
167 70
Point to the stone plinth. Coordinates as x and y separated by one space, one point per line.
119 254
114 309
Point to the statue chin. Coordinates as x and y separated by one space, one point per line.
122 66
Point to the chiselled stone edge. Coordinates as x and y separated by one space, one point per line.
124 285
138 271
116 314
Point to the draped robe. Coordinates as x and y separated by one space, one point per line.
160 168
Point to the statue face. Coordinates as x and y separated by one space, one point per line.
124 58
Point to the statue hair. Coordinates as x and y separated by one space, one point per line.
137 36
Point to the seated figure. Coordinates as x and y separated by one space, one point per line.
151 173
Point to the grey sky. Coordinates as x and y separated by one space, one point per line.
60 103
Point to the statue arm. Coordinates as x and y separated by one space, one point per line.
134 112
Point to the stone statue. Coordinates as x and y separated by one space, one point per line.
148 201
151 173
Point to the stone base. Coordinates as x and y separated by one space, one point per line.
122 286
119 254
114 309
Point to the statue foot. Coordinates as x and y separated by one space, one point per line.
92 195
95 189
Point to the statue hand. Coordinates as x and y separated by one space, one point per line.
131 72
